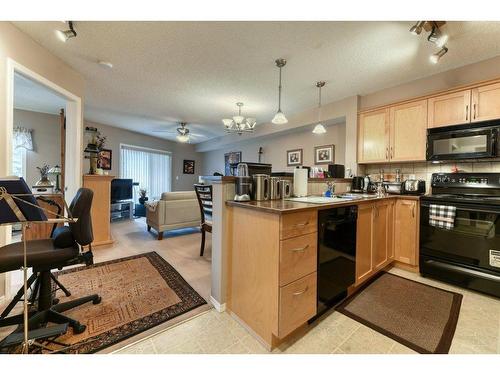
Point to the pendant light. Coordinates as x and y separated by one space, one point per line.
319 128
279 118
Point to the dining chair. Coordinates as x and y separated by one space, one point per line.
205 201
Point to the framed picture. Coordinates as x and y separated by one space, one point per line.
294 157
104 160
188 167
324 154
229 158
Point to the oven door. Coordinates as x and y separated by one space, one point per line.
461 144
474 241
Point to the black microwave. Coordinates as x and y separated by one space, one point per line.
478 141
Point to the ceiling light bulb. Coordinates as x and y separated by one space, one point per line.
319 129
183 138
437 56
106 64
417 28
64 35
279 118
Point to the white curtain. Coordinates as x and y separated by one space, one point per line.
22 138
150 168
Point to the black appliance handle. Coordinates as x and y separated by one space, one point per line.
473 208
462 270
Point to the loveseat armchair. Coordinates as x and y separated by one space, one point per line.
175 210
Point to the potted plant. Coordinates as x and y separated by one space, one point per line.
44 173
143 198
100 142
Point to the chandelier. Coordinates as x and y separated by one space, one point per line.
239 124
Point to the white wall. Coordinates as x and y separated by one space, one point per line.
180 151
275 147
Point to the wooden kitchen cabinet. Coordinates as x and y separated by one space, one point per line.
364 242
485 103
408 131
449 109
383 233
406 242
373 136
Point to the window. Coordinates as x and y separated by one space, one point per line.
19 162
152 169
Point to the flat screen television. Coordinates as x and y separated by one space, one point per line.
121 189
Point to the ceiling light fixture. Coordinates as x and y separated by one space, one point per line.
64 35
437 37
238 124
437 56
105 64
417 28
183 135
279 118
319 128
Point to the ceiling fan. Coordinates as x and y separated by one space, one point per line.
183 133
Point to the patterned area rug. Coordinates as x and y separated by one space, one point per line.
417 315
138 293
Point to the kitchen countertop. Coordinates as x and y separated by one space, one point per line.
282 206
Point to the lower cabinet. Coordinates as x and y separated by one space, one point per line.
406 236
374 238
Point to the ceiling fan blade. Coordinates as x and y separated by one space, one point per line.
164 131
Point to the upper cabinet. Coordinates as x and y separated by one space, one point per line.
373 136
485 103
408 131
449 109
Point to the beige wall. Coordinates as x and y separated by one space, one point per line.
180 151
18 46
275 147
46 141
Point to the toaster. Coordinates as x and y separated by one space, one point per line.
413 187
393 187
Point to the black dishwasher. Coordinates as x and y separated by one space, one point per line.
336 254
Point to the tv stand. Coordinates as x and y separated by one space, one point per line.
122 210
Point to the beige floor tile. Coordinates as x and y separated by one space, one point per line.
237 348
398 348
255 346
366 341
142 347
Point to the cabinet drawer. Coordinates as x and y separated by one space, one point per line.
297 224
298 257
297 304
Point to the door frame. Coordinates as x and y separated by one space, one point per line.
74 135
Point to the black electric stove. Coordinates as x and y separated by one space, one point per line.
468 254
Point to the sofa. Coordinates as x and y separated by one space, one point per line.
178 209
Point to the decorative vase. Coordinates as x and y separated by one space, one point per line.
143 200
44 181
93 165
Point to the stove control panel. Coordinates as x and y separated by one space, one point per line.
473 180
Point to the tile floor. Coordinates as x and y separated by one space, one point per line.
478 331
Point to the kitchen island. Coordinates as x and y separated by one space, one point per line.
273 264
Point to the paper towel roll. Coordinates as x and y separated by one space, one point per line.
300 182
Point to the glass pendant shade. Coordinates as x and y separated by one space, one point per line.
238 119
319 129
183 138
227 122
251 122
279 118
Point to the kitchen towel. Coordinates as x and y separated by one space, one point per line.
441 216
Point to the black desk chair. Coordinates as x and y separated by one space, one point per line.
55 253
205 201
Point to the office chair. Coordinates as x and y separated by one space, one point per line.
55 253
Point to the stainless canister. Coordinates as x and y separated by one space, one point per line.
260 191
274 188
286 189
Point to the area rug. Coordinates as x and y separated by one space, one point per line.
419 316
138 293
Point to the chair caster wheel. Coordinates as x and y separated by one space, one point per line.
97 300
80 328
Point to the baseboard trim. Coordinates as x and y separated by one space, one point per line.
218 306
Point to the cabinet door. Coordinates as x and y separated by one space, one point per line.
406 230
408 131
486 103
364 242
449 109
390 219
382 234
373 136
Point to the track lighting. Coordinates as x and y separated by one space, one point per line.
64 35
437 37
417 28
437 56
